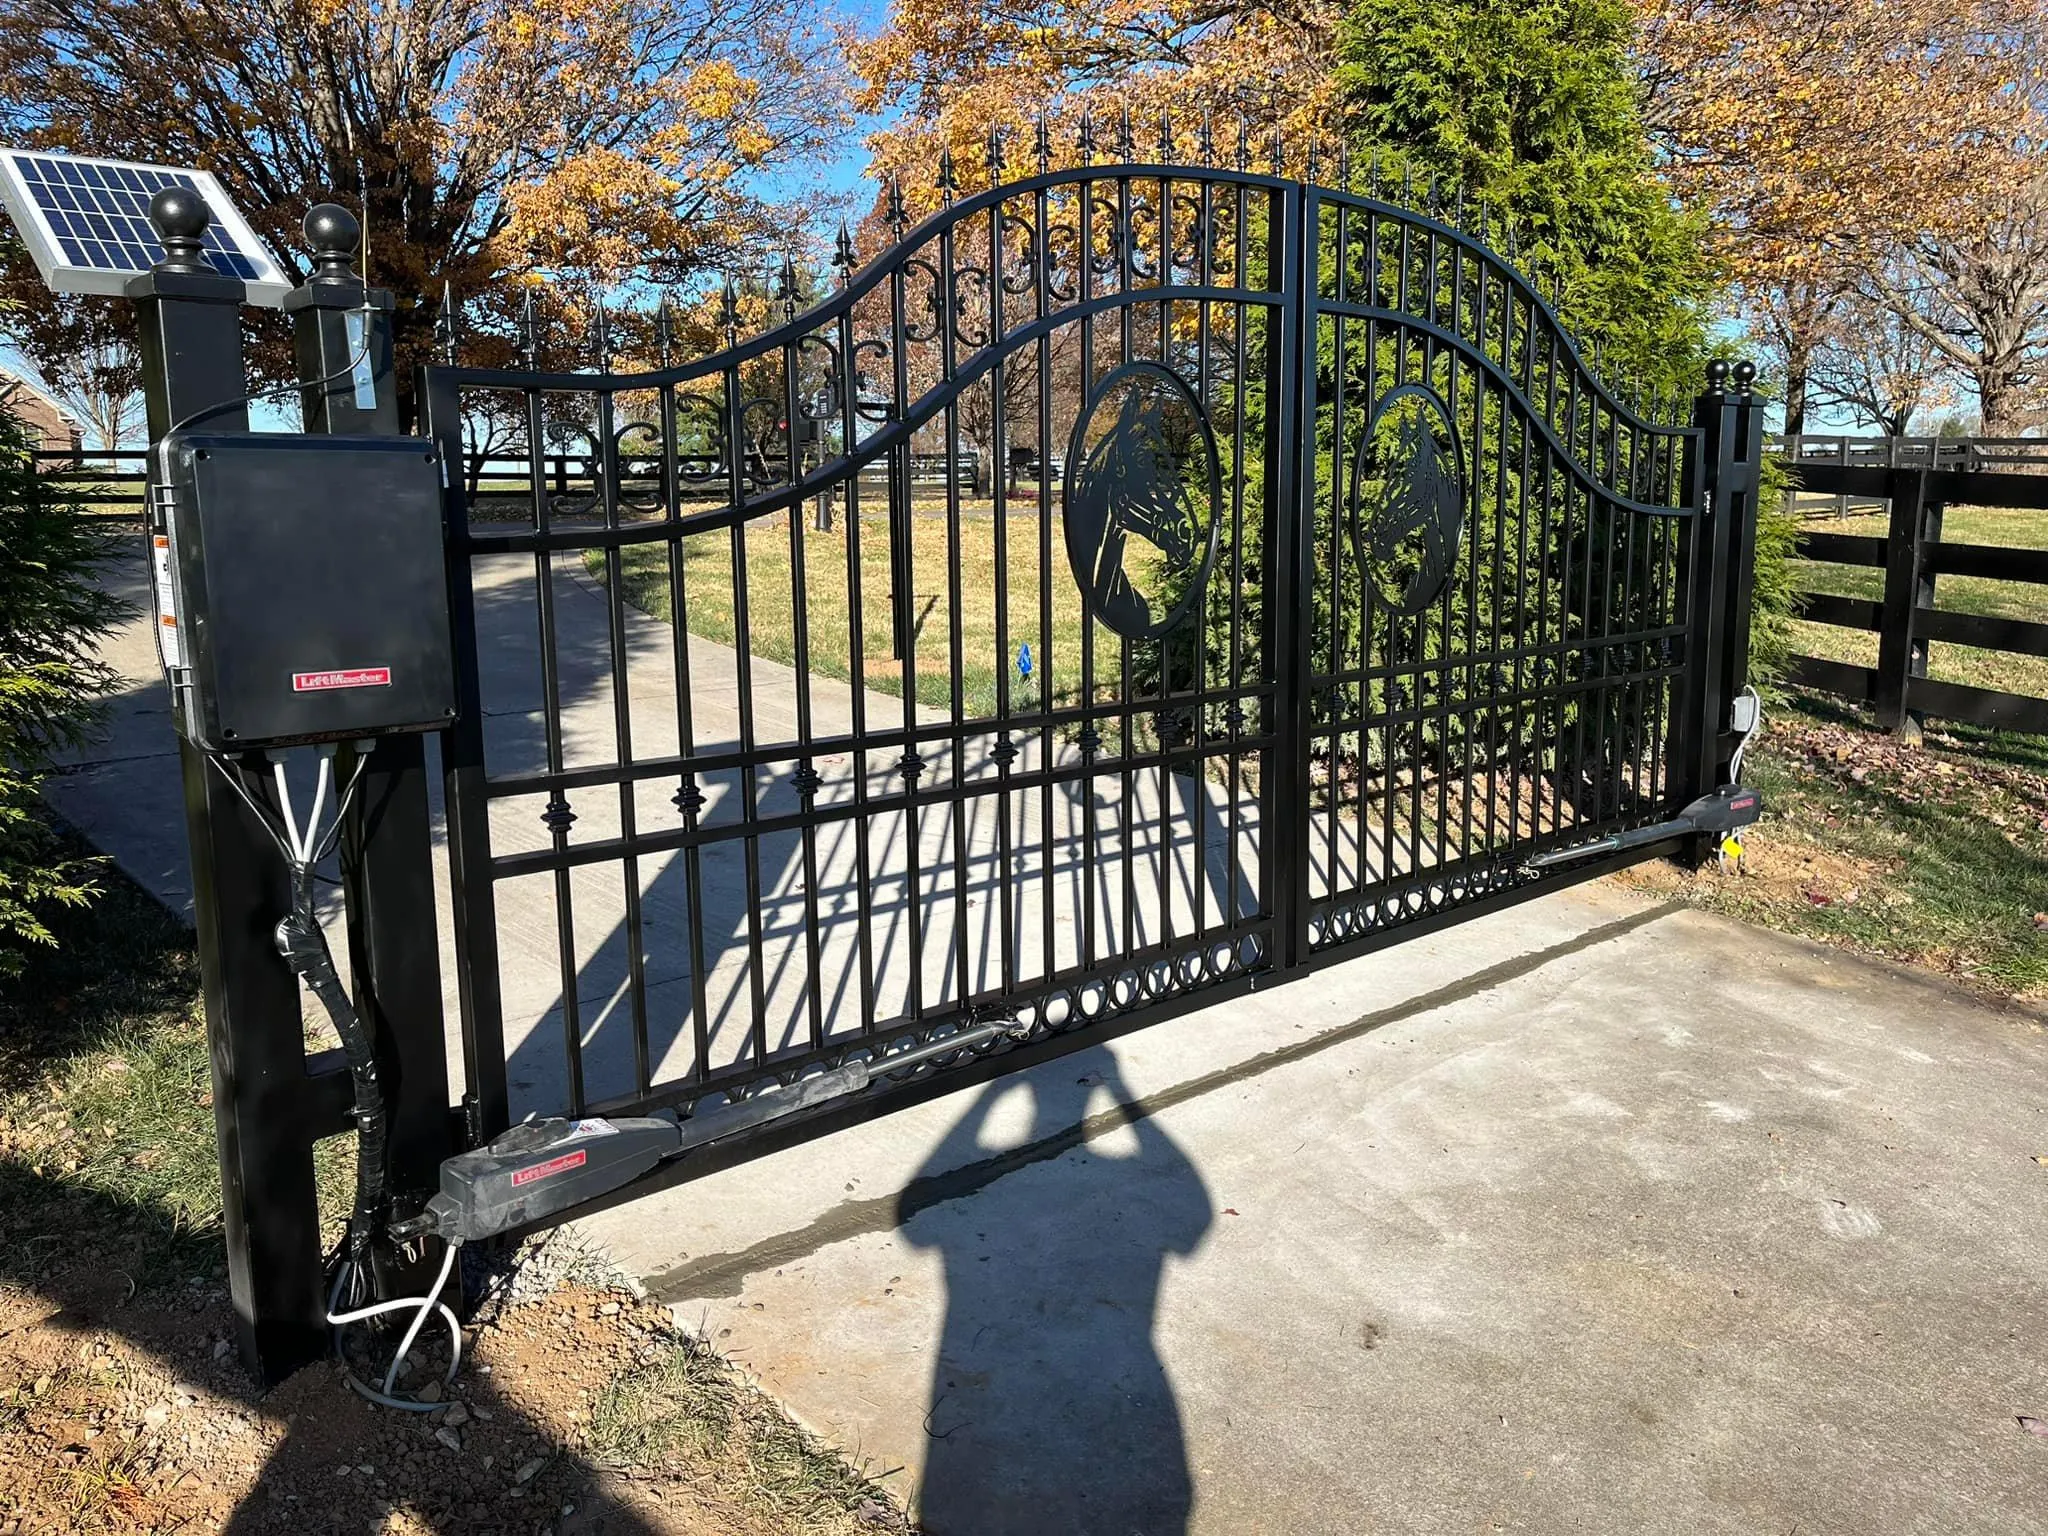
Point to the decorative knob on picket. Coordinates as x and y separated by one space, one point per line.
334 237
180 217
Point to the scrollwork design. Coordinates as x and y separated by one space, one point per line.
966 279
1060 276
1114 233
757 471
1022 277
932 303
817 386
1143 215
866 409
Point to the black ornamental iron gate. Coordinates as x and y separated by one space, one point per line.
1137 583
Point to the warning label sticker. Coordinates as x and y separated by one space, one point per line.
170 644
341 677
552 1166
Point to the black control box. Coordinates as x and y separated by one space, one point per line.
301 587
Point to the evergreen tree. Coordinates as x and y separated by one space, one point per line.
50 609
1535 109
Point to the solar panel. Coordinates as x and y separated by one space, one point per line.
86 222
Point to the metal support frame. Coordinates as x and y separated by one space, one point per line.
1721 572
270 1100
342 343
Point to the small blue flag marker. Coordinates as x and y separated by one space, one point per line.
1024 659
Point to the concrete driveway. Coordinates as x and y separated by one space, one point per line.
1592 1216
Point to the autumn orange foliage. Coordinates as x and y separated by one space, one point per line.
495 145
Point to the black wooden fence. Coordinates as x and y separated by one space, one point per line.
1913 554
108 485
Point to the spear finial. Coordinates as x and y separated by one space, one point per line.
1124 150
729 309
529 334
600 339
785 287
1041 144
1086 137
1205 143
948 183
445 323
898 217
1165 137
1244 141
995 154
842 254
664 332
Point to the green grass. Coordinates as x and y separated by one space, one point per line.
2000 670
689 1406
106 1117
1936 855
708 579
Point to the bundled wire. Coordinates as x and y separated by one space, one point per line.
303 943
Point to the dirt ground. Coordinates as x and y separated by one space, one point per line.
121 1413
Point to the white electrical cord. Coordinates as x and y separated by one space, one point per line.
302 847
303 850
422 1307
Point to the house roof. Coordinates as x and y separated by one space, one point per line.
13 384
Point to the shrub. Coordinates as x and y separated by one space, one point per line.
50 687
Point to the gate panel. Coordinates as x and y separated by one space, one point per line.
1496 652
911 663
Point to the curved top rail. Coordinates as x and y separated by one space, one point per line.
1520 281
884 265
865 281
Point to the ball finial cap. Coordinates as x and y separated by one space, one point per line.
180 217
179 212
334 236
1717 375
1745 375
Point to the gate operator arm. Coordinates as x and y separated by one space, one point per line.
1723 813
544 1167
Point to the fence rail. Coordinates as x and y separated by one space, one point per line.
1966 454
110 485
1912 554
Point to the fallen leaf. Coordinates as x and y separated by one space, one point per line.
1228 1212
2034 1426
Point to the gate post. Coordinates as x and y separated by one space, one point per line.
268 1105
1291 252
1915 528
342 341
1721 582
